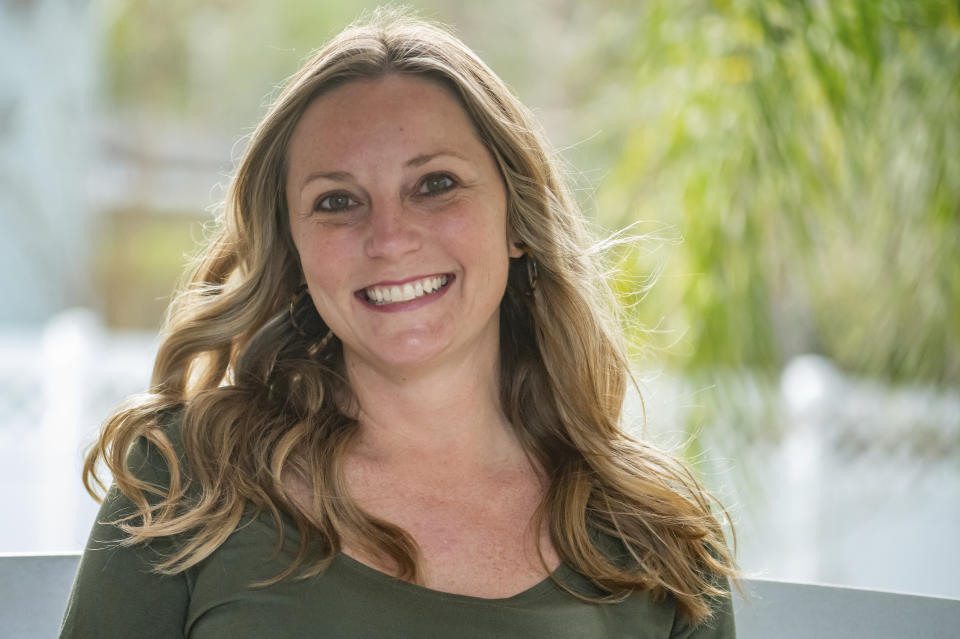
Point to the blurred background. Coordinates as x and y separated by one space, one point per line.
791 167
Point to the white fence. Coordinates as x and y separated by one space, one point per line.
56 386
829 478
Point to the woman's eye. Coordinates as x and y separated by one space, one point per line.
436 184
335 202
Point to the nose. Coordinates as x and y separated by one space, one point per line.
391 231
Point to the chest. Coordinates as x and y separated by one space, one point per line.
476 539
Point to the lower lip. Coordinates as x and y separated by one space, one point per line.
408 305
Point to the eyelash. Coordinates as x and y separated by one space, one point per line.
318 206
450 184
436 176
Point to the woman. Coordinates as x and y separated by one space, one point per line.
387 403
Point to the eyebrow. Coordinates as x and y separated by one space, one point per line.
420 160
346 176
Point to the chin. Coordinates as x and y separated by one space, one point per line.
412 354
401 352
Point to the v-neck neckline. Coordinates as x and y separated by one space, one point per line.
547 584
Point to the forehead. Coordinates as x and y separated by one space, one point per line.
376 115
391 89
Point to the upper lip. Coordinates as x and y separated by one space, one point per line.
403 281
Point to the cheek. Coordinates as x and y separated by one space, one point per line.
484 225
479 240
318 245
325 259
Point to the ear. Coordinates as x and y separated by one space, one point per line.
516 249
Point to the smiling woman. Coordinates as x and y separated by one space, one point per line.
388 403
391 189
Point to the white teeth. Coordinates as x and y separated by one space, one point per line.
411 290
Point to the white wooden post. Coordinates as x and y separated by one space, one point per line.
70 342
808 386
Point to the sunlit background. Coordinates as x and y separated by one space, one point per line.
792 167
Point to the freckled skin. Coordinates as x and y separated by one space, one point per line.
364 144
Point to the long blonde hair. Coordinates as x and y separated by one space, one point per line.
256 400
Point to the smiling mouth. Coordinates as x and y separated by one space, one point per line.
394 294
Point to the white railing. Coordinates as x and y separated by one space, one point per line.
56 386
859 483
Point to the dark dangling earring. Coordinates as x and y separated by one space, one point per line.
304 316
533 273
524 274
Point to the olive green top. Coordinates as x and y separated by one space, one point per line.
117 595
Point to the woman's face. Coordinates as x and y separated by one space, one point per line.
398 212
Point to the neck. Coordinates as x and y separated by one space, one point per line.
446 416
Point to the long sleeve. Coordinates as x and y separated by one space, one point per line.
115 593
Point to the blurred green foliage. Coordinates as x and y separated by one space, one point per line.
139 257
795 163
808 153
197 59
